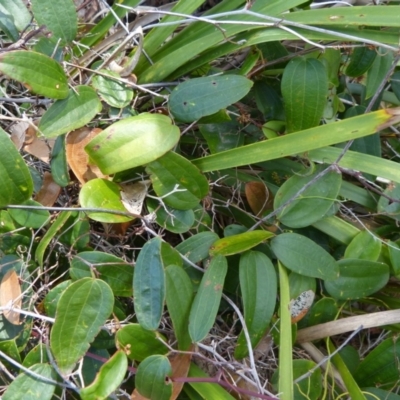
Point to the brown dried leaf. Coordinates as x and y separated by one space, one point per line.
180 364
10 295
49 192
257 195
77 157
18 134
39 147
133 195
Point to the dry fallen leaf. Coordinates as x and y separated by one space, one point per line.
49 192
133 195
257 195
180 364
77 157
10 296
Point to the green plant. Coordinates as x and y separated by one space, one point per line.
222 159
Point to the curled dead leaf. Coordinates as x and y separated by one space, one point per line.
180 364
49 192
258 197
10 296
133 195
78 159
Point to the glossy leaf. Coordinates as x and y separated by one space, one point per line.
72 112
304 90
139 343
179 296
104 194
108 379
116 272
49 14
30 218
152 378
133 142
361 61
258 284
199 97
28 387
172 171
358 279
206 302
16 181
196 247
238 243
365 246
305 257
380 366
39 73
114 93
312 204
81 311
149 285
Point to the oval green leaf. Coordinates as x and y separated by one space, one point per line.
305 257
140 343
312 204
16 181
60 18
59 165
199 97
100 193
30 218
39 73
73 112
179 296
116 272
361 61
81 311
108 379
172 171
149 285
258 284
28 387
18 11
364 246
358 279
196 247
114 93
238 243
304 90
152 378
133 142
206 302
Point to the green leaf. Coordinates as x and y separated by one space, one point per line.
179 296
305 257
152 378
70 113
113 270
81 311
199 97
196 247
373 393
133 142
30 218
18 11
149 285
365 246
29 387
258 284
304 90
358 279
49 235
312 204
39 73
380 366
59 16
206 302
16 181
310 139
114 93
172 171
51 300
101 193
59 165
8 27
309 388
238 243
140 343
361 61
108 379
378 71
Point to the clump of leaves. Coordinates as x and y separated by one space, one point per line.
189 195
